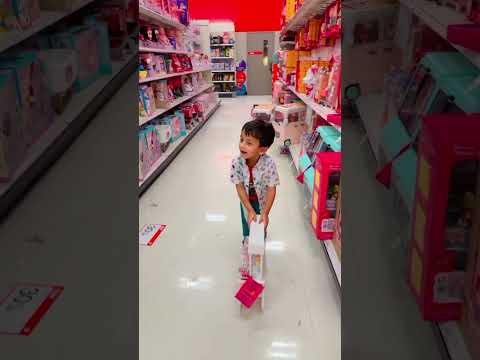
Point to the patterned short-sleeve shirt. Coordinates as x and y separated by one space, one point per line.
264 175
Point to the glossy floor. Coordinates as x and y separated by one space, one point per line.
189 277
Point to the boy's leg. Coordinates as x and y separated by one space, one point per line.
245 228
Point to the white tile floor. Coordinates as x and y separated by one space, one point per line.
189 277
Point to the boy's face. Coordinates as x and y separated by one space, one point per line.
250 147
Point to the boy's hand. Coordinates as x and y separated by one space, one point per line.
264 219
252 216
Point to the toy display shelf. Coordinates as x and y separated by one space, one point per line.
438 18
223 81
223 71
335 263
166 76
308 10
321 110
222 57
47 18
157 18
65 128
221 45
163 51
173 150
174 104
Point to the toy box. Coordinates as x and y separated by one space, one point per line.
59 67
328 167
36 111
263 111
12 141
470 323
164 135
83 40
144 161
337 236
290 123
447 171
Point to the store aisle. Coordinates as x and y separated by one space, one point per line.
189 277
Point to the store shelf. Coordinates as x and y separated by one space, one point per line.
163 51
224 81
223 71
321 110
370 108
47 18
438 18
451 339
222 45
153 16
335 262
174 104
221 57
173 150
309 9
295 154
166 76
63 131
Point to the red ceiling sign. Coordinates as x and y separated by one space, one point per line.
248 15
255 52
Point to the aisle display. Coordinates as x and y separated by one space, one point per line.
223 49
52 78
426 145
175 97
307 116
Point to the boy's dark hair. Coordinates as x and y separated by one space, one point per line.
261 130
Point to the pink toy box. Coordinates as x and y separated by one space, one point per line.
326 190
12 141
447 171
290 123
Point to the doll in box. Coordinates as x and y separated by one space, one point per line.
172 38
183 11
187 84
163 39
176 63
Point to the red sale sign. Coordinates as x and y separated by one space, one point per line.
25 306
255 52
150 233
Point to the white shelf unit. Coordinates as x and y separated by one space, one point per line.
47 18
166 76
223 71
221 45
173 150
155 17
174 104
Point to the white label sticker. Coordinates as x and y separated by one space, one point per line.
328 225
449 287
25 306
150 233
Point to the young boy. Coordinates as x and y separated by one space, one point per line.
254 173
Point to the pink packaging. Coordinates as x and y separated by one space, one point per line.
289 123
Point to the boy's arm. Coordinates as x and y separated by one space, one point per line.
242 194
271 192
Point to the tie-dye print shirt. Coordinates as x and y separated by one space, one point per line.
264 175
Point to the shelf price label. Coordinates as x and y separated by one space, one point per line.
25 306
149 233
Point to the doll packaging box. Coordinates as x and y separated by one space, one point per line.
326 189
447 171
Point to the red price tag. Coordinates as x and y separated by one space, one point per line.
150 233
24 306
